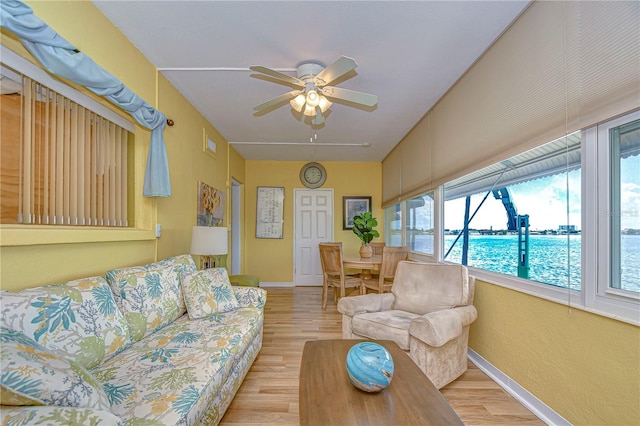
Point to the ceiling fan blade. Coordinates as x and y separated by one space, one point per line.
277 100
277 75
337 69
318 119
350 95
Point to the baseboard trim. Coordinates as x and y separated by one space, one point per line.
526 398
276 284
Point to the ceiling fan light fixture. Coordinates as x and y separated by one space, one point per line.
324 104
309 111
313 98
298 102
314 81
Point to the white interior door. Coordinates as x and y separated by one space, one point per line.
313 224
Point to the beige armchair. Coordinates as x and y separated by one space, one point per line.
427 313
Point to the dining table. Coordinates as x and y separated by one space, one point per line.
365 264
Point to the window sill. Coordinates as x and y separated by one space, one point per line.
624 312
28 235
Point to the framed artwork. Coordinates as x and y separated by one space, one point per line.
269 212
210 205
352 206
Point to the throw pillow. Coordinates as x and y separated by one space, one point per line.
33 375
208 292
79 318
178 264
150 300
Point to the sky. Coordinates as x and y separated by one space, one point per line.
544 200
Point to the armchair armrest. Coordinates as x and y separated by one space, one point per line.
440 327
248 296
353 305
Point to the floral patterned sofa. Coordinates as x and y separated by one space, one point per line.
159 344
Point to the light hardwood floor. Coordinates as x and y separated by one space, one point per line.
269 393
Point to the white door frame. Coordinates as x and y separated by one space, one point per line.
236 228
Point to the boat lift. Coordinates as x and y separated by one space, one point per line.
514 222
519 223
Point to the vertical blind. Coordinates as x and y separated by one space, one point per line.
73 162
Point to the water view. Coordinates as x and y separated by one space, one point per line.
548 261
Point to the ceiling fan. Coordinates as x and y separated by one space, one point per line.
314 93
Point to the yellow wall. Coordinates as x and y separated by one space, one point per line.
272 259
188 164
584 366
32 255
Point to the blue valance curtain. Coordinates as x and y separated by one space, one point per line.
60 57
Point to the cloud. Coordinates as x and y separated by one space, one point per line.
544 200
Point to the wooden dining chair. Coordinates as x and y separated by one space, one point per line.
390 258
333 272
376 247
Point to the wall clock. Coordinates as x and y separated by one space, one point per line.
313 175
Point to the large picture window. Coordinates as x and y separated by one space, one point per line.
561 220
520 217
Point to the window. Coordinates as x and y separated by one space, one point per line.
393 225
520 217
419 224
419 220
617 206
561 221
62 163
624 142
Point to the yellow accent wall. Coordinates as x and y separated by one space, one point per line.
272 259
584 366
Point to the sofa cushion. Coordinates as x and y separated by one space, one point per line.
79 318
34 375
173 375
208 292
386 325
448 287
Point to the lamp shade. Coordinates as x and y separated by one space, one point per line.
209 240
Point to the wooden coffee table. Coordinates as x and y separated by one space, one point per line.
328 397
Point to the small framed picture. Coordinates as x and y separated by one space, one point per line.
352 206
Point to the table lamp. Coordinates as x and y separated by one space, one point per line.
208 242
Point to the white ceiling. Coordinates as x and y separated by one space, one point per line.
409 53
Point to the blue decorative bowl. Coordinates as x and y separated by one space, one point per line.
370 366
